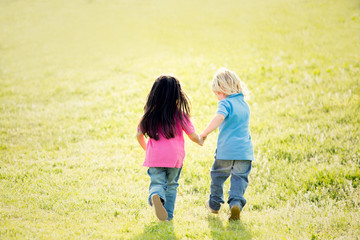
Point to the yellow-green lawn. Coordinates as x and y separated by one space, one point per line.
74 76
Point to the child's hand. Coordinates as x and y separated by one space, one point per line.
196 138
203 135
201 140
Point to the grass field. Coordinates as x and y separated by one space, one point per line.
74 76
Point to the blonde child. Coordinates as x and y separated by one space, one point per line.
166 116
234 153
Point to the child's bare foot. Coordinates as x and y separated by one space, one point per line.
159 209
210 209
234 213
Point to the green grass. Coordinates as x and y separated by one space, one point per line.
74 76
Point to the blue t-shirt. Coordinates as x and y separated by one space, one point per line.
234 140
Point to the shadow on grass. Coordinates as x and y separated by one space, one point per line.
234 229
158 230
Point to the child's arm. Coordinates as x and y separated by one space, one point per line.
196 138
141 139
214 124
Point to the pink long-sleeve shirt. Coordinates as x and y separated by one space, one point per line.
169 153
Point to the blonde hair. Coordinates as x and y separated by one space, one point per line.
227 82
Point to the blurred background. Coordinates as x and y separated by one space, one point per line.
74 76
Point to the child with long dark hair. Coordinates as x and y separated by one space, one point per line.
166 116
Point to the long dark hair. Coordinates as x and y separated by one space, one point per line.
166 104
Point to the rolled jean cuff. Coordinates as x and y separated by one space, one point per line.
161 198
236 202
214 205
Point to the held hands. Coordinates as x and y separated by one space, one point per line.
199 139
202 138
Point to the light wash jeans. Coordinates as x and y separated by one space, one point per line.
220 171
164 182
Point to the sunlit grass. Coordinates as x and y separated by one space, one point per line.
74 76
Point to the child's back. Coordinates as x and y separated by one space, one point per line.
234 152
234 141
166 116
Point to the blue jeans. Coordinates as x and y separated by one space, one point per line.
220 171
164 182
